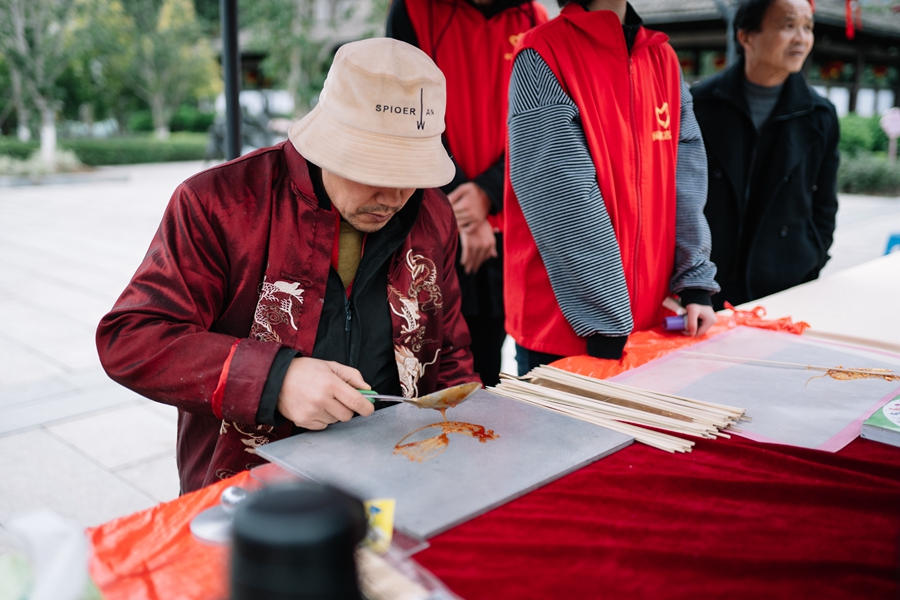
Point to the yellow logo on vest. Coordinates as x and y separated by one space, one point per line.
513 39
663 119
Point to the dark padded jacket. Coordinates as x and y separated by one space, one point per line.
773 193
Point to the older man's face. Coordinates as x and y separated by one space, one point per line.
785 39
367 208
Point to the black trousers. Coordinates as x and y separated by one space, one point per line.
488 334
528 359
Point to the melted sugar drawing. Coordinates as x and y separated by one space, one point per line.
424 450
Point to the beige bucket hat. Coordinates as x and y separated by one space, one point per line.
379 118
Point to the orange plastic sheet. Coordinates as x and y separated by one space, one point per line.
644 346
151 555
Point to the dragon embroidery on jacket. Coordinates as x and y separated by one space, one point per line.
275 306
256 436
422 295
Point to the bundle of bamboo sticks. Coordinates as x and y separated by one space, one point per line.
623 408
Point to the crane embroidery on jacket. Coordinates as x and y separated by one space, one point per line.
275 306
422 296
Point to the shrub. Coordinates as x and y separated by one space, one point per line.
119 151
13 148
862 134
867 173
140 121
35 167
856 135
189 118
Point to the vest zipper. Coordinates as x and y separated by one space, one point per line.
640 200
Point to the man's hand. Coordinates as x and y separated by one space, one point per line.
470 205
478 244
699 319
317 393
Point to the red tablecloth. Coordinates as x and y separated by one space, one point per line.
733 518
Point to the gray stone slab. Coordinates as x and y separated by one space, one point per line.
39 471
65 178
44 388
74 352
59 408
121 437
470 477
20 367
157 477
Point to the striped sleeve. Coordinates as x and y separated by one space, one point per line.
693 242
555 182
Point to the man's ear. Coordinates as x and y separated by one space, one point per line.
743 37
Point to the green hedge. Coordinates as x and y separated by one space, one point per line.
862 134
867 173
186 118
120 151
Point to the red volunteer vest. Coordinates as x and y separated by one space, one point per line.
630 111
475 55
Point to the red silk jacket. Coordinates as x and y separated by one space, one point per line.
630 110
236 271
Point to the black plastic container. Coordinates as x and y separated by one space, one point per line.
297 541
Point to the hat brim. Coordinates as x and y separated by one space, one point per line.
371 158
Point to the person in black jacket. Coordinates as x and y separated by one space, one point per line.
772 147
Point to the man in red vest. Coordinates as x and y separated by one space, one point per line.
472 42
607 184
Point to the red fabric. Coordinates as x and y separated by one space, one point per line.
848 17
474 53
630 110
243 253
219 392
734 518
151 554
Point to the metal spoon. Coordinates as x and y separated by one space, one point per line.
443 399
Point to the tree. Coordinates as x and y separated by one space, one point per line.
33 39
299 39
168 56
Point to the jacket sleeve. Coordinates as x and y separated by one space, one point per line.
456 364
157 340
555 181
824 199
693 275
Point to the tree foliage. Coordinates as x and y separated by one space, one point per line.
168 56
36 37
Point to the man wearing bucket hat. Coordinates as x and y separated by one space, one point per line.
280 283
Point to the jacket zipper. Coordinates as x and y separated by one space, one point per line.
640 201
348 310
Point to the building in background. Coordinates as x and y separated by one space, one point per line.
861 75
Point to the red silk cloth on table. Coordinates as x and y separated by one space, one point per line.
733 518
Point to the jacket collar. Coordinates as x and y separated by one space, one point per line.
796 98
302 183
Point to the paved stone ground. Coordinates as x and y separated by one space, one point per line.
71 439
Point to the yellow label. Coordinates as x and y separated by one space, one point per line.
380 513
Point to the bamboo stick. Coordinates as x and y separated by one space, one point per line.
777 363
623 408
